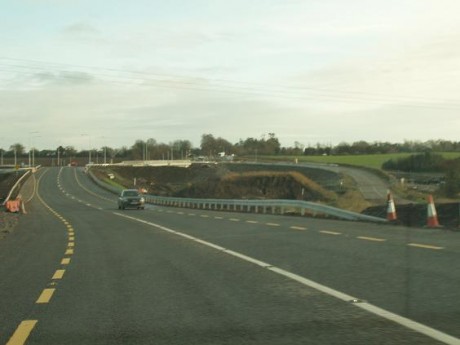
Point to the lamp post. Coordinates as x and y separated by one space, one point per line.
30 147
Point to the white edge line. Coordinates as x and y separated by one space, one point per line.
408 323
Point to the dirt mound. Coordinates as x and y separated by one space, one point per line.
416 214
259 185
221 181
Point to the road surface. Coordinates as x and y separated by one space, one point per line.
79 271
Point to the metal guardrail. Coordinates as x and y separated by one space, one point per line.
257 206
16 185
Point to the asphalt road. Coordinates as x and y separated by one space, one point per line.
79 271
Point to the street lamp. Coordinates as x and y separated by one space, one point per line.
32 154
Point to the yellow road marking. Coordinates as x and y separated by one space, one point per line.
46 295
71 244
71 238
22 332
425 246
272 224
330 232
252 221
65 261
375 239
69 252
58 274
298 228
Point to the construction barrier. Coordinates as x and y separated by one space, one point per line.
15 206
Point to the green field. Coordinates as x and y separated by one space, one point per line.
370 161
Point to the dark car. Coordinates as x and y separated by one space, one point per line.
130 198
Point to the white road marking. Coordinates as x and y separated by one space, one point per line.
330 232
408 323
298 228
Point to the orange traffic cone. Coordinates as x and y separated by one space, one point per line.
391 210
432 220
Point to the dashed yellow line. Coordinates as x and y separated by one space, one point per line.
71 244
252 221
425 246
69 252
330 232
58 274
65 261
375 239
45 296
71 238
22 332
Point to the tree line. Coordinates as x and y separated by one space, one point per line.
211 146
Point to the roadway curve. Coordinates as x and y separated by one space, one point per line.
371 186
79 271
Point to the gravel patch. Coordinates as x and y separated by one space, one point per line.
8 222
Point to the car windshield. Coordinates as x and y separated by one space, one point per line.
229 172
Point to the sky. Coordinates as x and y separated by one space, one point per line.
90 74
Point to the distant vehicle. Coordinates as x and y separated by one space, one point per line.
130 198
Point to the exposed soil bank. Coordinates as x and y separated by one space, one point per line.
416 214
227 181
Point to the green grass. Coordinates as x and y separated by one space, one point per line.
369 161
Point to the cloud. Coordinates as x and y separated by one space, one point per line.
81 28
63 78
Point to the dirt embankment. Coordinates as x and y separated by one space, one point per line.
234 181
8 221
